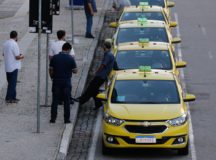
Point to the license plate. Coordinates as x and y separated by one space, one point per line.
145 139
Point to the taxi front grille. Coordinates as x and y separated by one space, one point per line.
145 129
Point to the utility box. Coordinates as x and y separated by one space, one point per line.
56 7
47 18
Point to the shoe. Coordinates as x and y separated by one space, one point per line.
60 103
76 99
89 35
71 102
52 121
9 101
16 100
68 121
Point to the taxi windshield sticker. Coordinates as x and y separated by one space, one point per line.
121 98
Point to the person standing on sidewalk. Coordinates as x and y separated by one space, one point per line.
56 46
12 58
100 77
90 9
62 66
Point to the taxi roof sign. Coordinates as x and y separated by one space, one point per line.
143 40
142 20
145 68
144 4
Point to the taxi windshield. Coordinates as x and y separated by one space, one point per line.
127 16
134 34
157 59
150 2
145 92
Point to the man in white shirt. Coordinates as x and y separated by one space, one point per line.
56 46
12 58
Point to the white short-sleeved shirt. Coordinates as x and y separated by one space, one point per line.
10 51
56 47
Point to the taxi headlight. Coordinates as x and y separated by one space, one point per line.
111 120
178 121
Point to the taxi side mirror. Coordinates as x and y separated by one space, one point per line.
189 98
176 40
102 97
173 24
170 4
181 64
113 25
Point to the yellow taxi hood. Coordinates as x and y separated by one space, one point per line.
145 111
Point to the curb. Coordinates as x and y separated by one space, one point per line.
68 131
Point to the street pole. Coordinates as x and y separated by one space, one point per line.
47 66
39 64
72 22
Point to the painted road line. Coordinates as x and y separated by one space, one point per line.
210 54
96 133
192 144
204 32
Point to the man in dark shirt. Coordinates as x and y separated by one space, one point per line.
62 66
90 9
100 77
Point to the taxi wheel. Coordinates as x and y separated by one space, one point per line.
105 150
184 151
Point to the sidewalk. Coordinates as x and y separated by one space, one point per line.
18 121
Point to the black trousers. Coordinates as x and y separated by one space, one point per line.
12 81
61 89
92 91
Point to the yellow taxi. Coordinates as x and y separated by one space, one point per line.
163 3
145 109
157 55
153 30
146 11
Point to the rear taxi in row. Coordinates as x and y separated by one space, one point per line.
157 55
163 3
145 109
143 11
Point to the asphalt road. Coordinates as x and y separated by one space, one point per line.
197 29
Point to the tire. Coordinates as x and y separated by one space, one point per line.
105 150
184 151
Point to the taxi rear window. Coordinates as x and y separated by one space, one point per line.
127 16
151 2
145 92
132 59
134 34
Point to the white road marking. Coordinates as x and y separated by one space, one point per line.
210 54
192 144
96 133
203 29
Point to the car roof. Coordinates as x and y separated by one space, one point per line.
135 74
148 23
143 9
148 46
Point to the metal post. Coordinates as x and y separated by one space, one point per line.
47 66
72 23
39 64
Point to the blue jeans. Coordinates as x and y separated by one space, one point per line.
61 90
12 81
89 23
